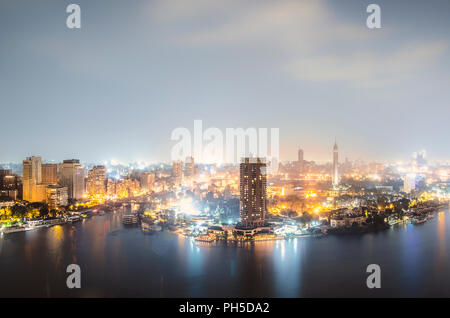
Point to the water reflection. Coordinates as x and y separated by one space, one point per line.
442 255
123 261
287 267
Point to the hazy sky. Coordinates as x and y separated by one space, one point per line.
136 70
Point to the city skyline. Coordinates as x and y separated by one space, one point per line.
256 151
176 66
299 157
142 164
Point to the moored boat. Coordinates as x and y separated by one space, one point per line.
86 214
419 220
55 221
205 238
15 228
73 218
35 224
156 228
129 219
146 227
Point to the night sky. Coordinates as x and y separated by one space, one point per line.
136 70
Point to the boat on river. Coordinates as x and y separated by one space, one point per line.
35 224
73 218
15 228
130 219
419 220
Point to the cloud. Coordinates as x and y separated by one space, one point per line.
287 25
366 69
313 44
181 10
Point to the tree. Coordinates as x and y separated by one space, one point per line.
18 211
306 217
43 211
53 213
292 214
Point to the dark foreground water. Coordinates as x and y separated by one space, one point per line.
117 261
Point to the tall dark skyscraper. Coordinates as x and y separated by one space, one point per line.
253 192
335 166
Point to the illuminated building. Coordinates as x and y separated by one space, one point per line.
3 174
147 181
71 175
96 181
335 166
32 176
12 194
189 166
409 183
56 196
123 188
10 184
49 173
347 221
40 193
110 187
177 171
253 192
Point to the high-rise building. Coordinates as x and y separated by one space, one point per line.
71 175
56 196
32 169
335 166
40 193
300 155
253 192
189 166
177 171
32 176
123 188
11 182
409 183
419 160
300 160
49 173
147 180
96 182
3 174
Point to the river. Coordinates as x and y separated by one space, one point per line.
118 261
